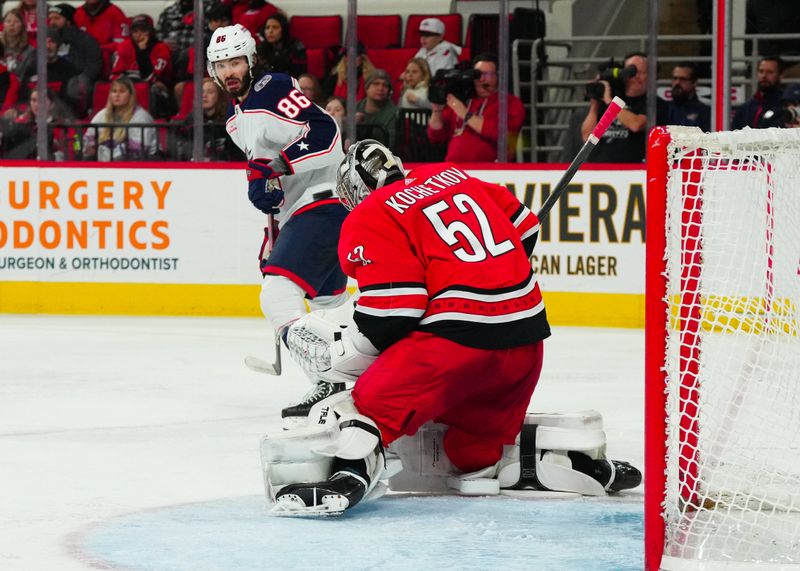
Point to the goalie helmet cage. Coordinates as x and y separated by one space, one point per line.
722 358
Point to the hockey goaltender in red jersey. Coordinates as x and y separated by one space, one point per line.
448 327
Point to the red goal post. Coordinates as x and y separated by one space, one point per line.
722 350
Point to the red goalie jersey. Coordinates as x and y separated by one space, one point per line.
445 253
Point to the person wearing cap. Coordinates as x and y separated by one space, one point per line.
684 107
81 50
377 109
470 128
439 53
59 70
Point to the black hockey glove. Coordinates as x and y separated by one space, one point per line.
264 190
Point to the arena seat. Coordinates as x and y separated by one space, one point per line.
317 31
317 62
394 61
377 32
452 28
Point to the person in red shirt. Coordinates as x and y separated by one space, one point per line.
470 127
28 10
255 15
143 58
9 87
104 21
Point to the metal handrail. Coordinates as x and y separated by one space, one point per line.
560 95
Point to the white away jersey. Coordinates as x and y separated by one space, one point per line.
277 119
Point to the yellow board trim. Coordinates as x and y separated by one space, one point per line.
563 308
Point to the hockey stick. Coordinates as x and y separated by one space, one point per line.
254 363
605 121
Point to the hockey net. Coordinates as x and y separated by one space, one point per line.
723 352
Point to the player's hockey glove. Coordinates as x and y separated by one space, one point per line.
264 191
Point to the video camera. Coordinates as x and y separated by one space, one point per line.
458 81
615 75
789 116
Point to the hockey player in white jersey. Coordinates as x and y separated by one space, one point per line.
293 149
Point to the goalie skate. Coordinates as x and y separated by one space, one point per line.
332 497
296 414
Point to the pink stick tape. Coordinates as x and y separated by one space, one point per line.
616 105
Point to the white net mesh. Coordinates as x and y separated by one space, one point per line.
733 352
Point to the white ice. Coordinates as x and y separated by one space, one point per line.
104 420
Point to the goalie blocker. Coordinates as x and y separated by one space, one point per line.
336 460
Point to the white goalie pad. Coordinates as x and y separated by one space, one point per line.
548 465
426 467
288 456
333 351
306 454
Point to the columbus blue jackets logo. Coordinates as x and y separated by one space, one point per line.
357 255
262 82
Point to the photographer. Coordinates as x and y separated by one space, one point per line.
624 141
789 116
470 128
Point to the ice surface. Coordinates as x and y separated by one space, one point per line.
133 443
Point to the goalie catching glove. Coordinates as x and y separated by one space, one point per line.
329 351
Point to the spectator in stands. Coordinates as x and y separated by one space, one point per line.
439 53
309 85
59 70
176 25
336 83
377 109
685 108
119 141
9 88
624 141
252 14
27 9
82 51
280 51
104 21
219 15
17 50
217 145
336 107
143 58
416 80
761 110
470 128
20 135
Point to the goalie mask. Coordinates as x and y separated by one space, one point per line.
229 42
368 166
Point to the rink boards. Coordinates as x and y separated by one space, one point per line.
184 240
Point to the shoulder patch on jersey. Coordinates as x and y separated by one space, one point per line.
262 82
357 255
409 180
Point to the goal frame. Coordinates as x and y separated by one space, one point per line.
686 324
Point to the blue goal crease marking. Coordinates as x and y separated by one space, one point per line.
233 534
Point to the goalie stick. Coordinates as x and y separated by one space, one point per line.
616 105
254 363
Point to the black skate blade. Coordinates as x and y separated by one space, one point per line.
311 501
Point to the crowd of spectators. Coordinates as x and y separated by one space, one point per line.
121 87
124 84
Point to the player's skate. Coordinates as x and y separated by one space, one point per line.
296 414
341 491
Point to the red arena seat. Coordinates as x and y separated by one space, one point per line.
379 31
394 61
317 31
